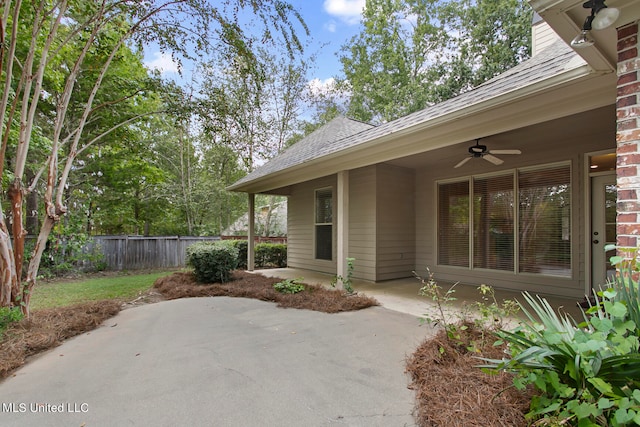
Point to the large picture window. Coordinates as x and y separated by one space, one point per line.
324 224
520 222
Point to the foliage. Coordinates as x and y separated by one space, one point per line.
68 251
588 373
271 255
625 282
347 282
212 261
449 320
75 90
489 314
7 316
242 246
414 53
492 312
289 286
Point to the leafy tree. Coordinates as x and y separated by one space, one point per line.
87 37
413 53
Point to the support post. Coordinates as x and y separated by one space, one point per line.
251 233
342 232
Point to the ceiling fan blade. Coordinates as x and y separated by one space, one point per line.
465 160
493 159
505 152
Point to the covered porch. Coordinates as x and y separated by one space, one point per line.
402 295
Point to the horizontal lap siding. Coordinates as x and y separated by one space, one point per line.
395 249
301 226
362 221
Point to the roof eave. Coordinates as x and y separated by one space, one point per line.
576 90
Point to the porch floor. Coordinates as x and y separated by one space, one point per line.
403 294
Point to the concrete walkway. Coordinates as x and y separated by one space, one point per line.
223 362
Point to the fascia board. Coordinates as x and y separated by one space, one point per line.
571 92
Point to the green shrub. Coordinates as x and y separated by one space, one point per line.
271 255
242 246
7 316
213 261
289 286
589 374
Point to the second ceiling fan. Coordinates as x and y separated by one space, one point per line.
481 151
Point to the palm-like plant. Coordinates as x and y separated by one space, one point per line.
588 371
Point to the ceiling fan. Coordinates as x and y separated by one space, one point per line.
480 151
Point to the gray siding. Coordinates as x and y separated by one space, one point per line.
362 221
301 235
395 212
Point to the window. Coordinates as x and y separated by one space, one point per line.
453 223
493 223
324 224
519 222
545 212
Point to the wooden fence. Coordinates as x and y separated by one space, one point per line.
138 252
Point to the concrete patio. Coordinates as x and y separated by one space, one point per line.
402 295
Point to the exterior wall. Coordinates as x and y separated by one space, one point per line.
565 143
542 36
300 217
628 137
395 213
362 221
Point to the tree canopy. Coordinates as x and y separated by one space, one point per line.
414 53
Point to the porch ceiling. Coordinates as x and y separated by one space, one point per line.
567 17
530 139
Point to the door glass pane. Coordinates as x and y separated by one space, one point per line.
453 224
545 221
493 223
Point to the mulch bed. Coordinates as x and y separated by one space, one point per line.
256 286
451 391
48 328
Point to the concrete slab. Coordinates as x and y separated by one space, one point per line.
223 362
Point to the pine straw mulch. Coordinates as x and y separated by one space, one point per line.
47 328
451 391
256 286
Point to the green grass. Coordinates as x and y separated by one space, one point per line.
60 294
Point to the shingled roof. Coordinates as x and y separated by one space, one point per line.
344 133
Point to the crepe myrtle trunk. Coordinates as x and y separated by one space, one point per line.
16 288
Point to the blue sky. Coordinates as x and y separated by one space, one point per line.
331 24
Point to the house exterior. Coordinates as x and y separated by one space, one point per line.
443 188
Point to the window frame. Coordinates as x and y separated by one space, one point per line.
324 225
469 179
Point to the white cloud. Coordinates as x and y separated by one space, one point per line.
162 62
348 10
317 86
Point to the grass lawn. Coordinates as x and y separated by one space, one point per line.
64 293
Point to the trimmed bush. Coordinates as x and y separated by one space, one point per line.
213 261
242 246
271 255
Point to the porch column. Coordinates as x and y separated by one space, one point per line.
628 137
342 231
251 232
